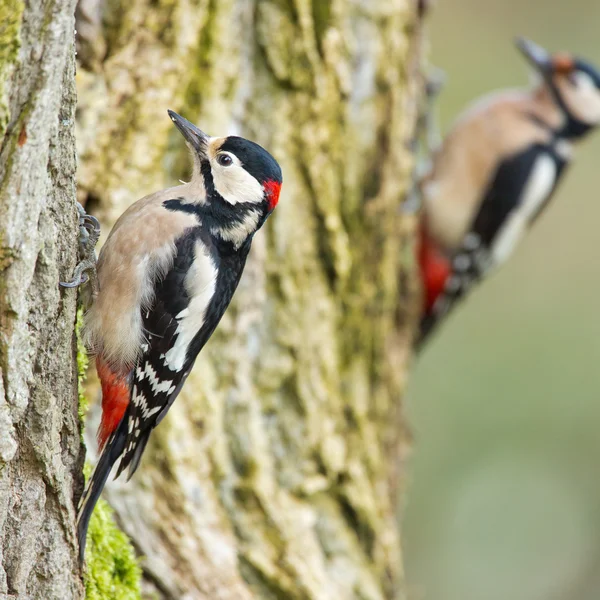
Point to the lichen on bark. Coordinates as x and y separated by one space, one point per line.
82 368
40 458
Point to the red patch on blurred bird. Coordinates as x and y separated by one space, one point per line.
435 270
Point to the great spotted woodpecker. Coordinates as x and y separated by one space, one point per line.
166 275
494 174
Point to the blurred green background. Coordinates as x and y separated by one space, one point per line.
504 499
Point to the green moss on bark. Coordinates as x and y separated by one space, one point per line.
11 13
82 365
112 571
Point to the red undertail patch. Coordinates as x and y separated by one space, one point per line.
115 398
435 270
272 190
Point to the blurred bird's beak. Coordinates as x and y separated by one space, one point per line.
536 55
196 138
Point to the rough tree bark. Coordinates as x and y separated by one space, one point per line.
276 472
40 446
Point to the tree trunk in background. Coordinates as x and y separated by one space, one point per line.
277 471
275 474
40 446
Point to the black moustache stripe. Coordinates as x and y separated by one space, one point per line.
219 209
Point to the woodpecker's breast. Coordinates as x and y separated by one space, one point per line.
139 250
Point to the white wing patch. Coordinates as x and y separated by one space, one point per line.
536 191
200 283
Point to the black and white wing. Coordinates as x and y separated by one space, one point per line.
178 313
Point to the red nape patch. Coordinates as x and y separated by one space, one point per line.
115 398
435 270
272 189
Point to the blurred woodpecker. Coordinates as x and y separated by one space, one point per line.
494 174
165 277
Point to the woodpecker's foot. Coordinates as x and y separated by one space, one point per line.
89 233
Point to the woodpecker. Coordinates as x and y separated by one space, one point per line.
494 173
166 275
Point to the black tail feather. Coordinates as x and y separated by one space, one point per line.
426 327
131 458
456 288
468 267
111 452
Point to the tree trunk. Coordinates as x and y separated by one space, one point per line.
40 446
276 473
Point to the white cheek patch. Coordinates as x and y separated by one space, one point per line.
583 99
236 185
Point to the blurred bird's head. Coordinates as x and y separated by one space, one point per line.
237 174
573 83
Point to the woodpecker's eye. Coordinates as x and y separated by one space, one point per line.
224 160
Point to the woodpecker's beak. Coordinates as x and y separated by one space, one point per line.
197 139
536 55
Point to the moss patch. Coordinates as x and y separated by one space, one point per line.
11 13
112 571
82 365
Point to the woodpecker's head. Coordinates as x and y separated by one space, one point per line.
573 83
238 175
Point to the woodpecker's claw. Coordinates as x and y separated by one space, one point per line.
89 233
79 275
